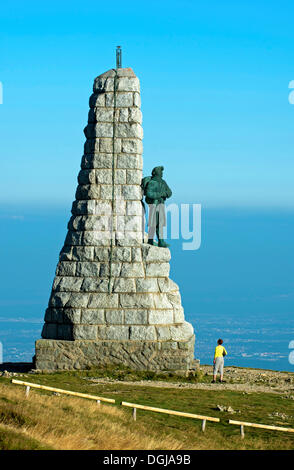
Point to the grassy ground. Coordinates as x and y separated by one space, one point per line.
60 422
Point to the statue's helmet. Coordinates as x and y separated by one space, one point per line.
157 170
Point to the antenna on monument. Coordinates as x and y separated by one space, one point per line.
118 57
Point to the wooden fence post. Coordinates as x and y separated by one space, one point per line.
134 414
27 390
203 425
242 431
98 402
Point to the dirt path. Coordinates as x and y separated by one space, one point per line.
241 380
236 379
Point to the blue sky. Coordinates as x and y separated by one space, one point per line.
214 82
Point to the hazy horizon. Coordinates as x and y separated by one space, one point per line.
239 284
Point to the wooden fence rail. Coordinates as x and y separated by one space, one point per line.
135 406
29 385
242 424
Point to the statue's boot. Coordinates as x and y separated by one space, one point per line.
151 242
162 243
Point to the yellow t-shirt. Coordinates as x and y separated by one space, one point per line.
219 351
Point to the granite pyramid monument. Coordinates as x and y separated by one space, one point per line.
112 301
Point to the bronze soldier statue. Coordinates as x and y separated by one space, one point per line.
156 191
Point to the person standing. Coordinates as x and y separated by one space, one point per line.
218 361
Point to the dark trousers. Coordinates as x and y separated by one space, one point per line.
156 221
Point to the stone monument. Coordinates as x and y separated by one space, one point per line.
112 301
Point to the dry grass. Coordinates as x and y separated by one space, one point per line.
46 421
71 423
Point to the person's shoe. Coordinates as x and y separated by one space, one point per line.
213 382
150 241
162 243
